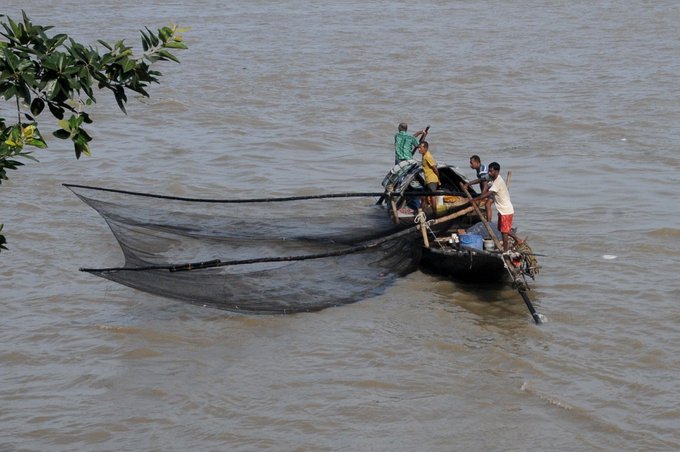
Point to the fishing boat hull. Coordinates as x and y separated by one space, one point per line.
457 257
464 264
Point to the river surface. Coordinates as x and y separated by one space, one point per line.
578 99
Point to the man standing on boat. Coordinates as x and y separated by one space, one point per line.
501 199
430 172
483 181
405 143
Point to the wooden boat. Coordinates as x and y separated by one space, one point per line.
446 254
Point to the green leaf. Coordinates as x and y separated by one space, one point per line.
129 65
81 148
175 45
86 118
52 88
14 136
52 62
37 106
57 40
29 78
146 43
74 122
87 89
8 92
12 164
57 111
168 56
164 34
105 44
22 88
83 135
62 134
121 98
152 37
37 142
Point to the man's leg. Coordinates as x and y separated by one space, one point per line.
505 226
514 237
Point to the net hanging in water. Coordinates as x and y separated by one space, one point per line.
274 255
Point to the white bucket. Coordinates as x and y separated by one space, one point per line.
489 245
440 200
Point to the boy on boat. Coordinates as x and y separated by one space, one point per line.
482 173
430 172
483 181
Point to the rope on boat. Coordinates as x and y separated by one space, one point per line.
422 218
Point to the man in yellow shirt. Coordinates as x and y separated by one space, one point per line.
431 173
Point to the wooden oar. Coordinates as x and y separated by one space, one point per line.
519 284
422 138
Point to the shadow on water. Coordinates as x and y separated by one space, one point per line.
493 302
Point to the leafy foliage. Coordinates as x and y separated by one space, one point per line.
38 71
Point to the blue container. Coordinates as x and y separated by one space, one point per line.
471 241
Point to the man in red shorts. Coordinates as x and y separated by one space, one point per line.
501 200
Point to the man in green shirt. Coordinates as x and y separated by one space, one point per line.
404 143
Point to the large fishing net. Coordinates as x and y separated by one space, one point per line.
280 255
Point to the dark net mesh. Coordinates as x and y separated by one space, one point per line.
264 256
